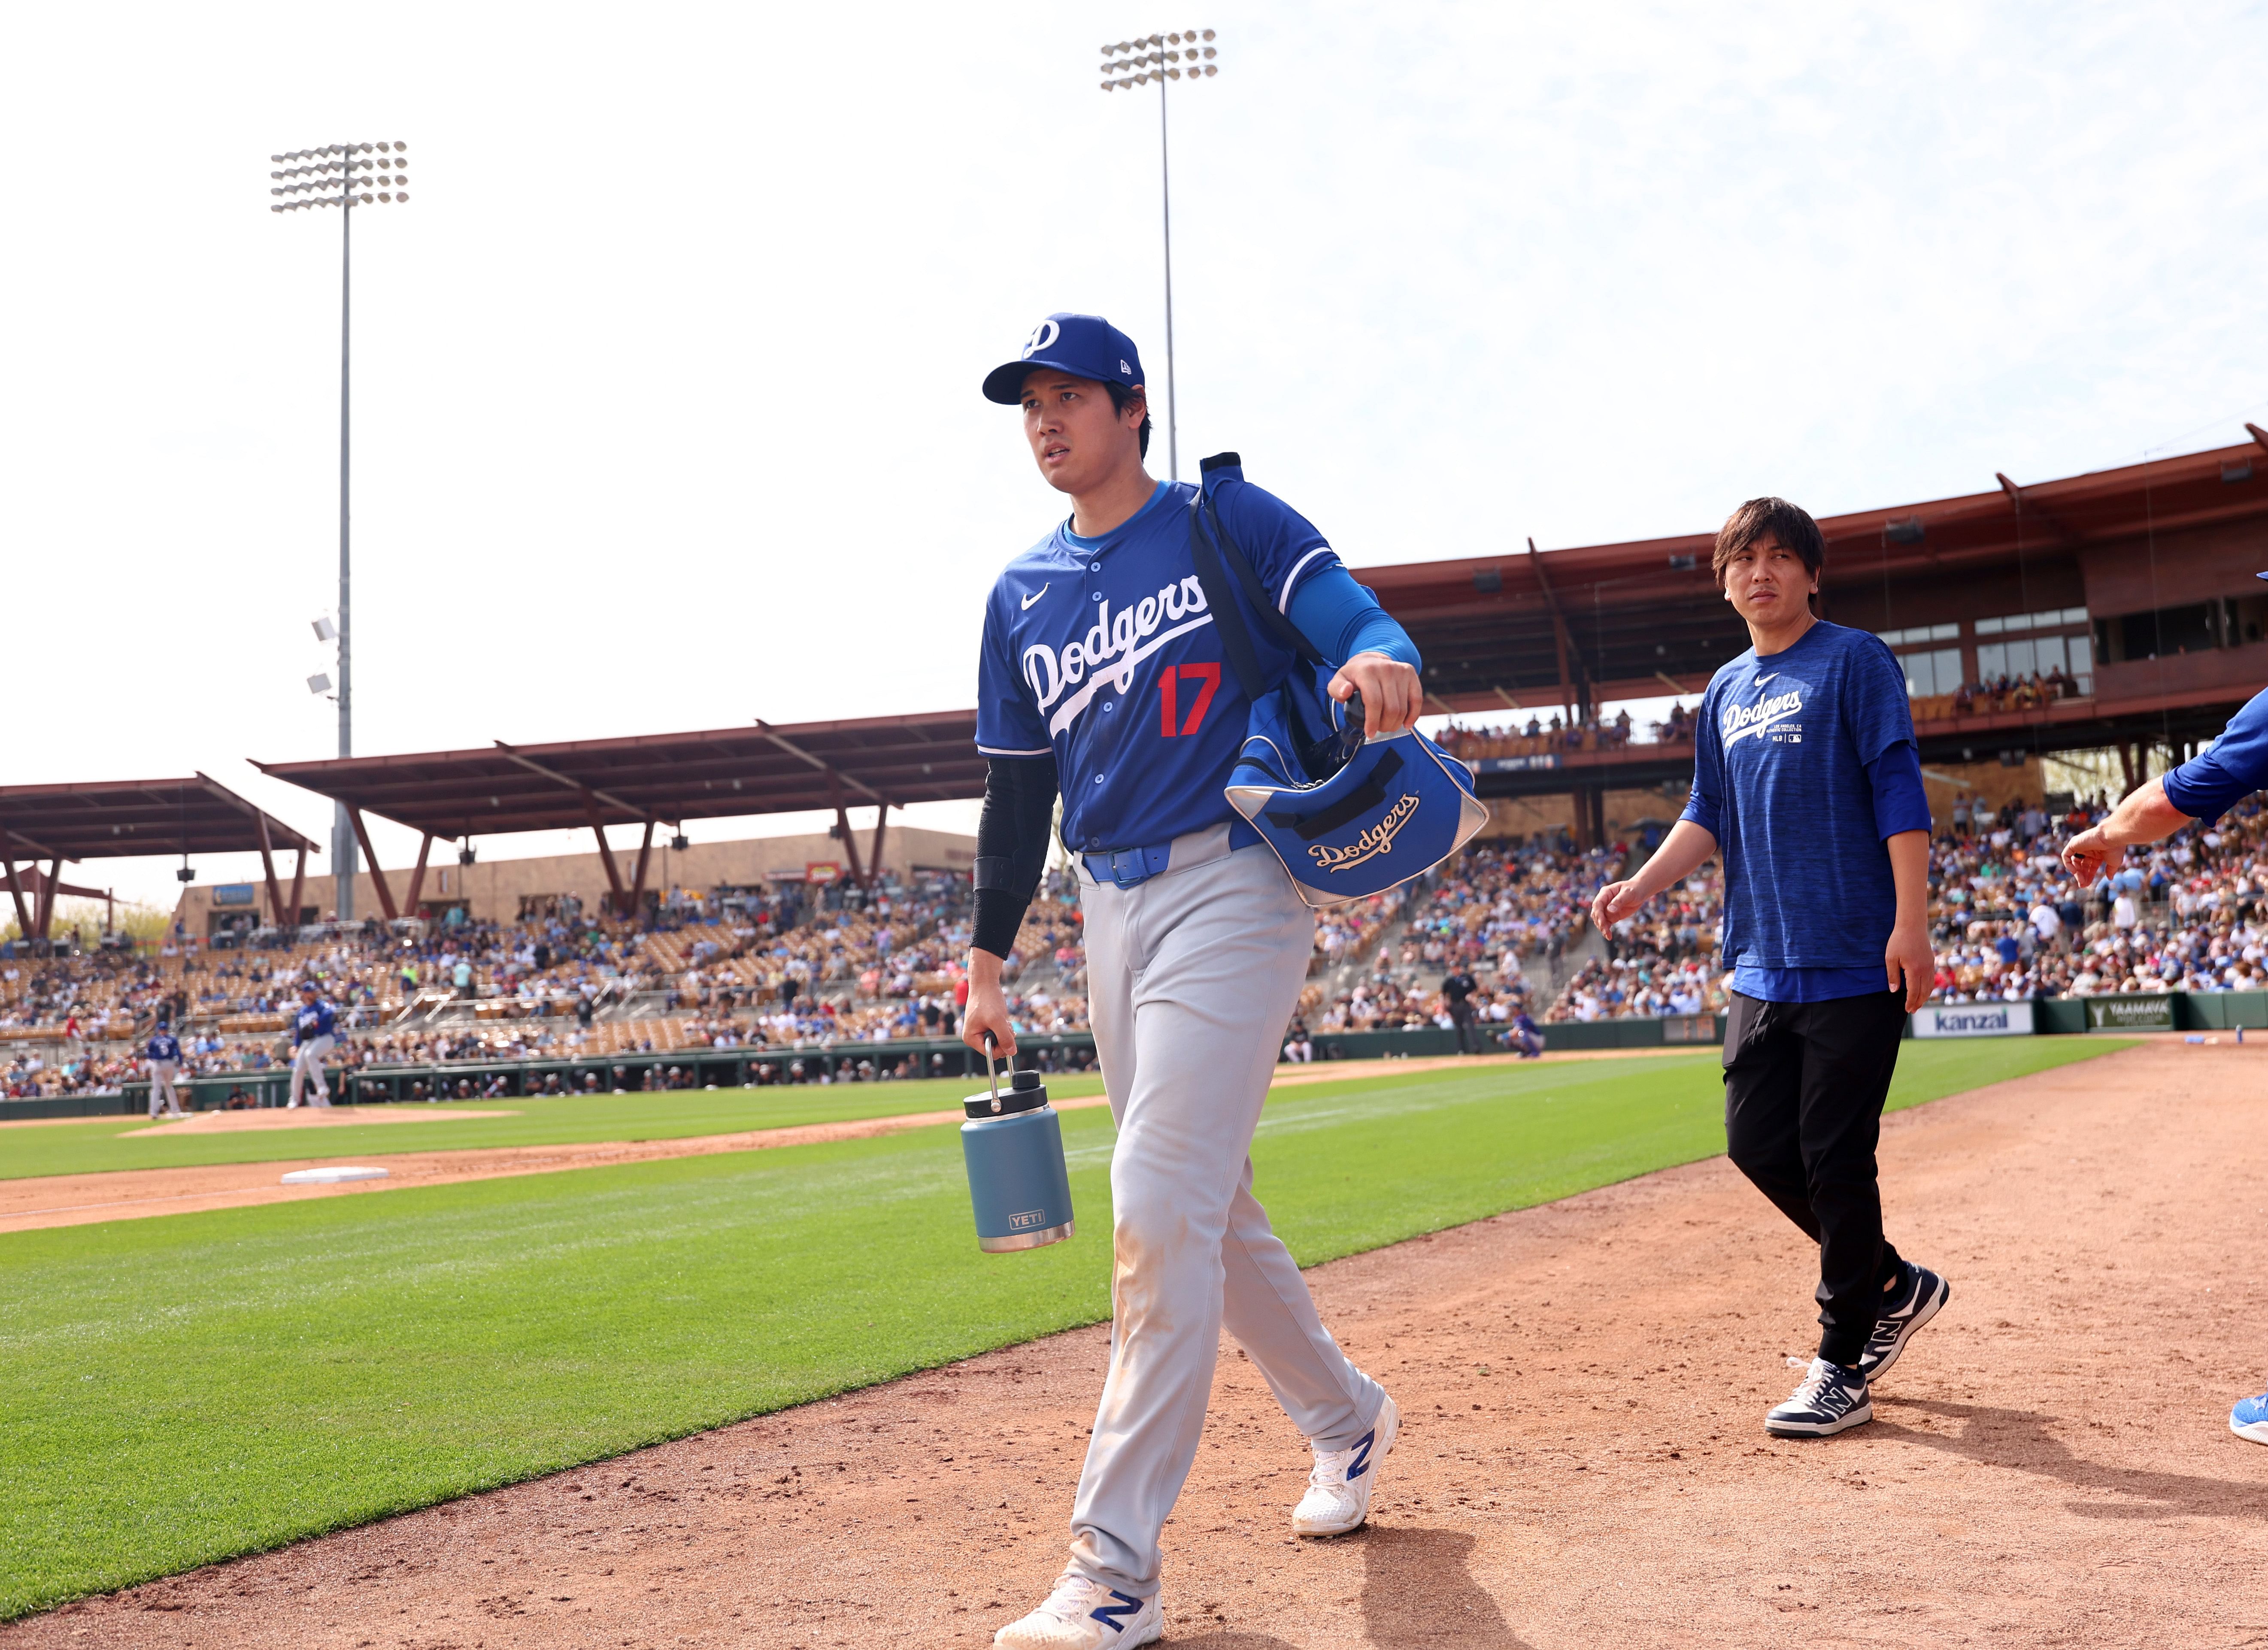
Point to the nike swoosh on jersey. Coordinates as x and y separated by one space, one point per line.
1035 595
1760 680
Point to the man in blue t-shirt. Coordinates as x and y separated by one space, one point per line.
1101 680
1806 779
2205 787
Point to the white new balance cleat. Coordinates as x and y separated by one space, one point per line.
1084 1614
1340 1485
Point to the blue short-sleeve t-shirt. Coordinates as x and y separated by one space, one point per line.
2226 771
1102 653
1781 752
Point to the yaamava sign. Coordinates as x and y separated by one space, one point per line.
2130 1013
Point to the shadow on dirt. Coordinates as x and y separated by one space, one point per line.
1417 1589
2019 1440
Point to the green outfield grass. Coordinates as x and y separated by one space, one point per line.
113 1143
185 1389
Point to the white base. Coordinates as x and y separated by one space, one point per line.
330 1176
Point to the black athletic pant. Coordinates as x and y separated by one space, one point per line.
1461 1016
1804 1087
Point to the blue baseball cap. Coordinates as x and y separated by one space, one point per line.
1085 346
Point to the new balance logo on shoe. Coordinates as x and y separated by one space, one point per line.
1111 1614
1361 1462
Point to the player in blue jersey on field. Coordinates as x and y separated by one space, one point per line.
312 1039
1102 680
163 1056
2216 779
1807 779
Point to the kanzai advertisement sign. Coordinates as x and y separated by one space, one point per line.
1973 1020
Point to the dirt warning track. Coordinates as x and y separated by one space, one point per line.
1582 1462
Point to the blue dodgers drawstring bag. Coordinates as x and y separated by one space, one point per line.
1348 817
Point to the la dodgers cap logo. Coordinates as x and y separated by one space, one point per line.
1085 346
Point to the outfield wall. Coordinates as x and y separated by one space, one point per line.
2171 1011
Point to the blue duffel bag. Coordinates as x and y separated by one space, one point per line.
1348 817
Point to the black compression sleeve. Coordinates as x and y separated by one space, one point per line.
1012 845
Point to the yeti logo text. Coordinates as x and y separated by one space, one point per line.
1741 721
1043 335
1119 640
1379 839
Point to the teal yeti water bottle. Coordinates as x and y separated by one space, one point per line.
1013 1143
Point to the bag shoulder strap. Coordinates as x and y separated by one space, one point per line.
1219 560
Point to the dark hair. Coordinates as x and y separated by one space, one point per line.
1120 395
1769 517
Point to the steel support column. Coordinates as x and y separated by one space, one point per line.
874 859
268 869
607 858
298 884
637 879
377 876
16 891
417 876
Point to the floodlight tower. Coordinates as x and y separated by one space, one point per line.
1156 59
344 175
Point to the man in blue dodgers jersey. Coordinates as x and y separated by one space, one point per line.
1806 778
1102 678
163 1056
2207 785
311 1041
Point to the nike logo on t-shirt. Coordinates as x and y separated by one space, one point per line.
1035 595
1760 680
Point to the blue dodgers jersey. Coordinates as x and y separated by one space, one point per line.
313 1019
1102 653
2228 771
163 1046
1780 779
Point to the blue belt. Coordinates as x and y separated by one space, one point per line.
1131 867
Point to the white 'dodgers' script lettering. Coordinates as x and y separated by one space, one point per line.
1113 646
1743 720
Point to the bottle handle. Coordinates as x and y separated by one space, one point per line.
993 1070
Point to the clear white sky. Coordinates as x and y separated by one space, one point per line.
666 402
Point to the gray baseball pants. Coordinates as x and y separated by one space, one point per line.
307 1070
162 1096
1191 978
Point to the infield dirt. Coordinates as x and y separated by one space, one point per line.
1582 1462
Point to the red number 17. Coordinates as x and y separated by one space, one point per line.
1169 704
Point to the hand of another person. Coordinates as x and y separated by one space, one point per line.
1908 953
1615 901
1392 696
2086 857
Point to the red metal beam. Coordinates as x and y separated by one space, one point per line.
874 859
607 858
369 859
46 903
417 876
16 889
299 883
638 882
2258 435
842 827
267 867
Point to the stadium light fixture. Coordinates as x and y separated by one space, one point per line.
1154 60
319 683
345 176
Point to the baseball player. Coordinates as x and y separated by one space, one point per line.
1806 778
312 1038
163 1057
2205 787
1102 680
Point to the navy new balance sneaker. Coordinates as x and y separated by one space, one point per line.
1831 1399
1916 1300
1084 1614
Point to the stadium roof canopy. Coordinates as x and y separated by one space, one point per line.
1606 622
117 819
885 761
